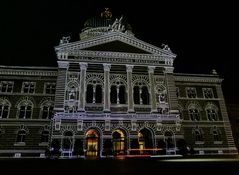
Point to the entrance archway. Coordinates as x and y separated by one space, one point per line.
145 140
119 142
170 142
92 143
67 144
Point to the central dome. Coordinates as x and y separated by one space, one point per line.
99 25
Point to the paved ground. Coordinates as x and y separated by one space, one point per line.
148 166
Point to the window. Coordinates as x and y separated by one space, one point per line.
89 94
25 108
198 136
50 88
216 136
117 94
212 114
21 136
136 95
6 86
113 94
47 112
25 112
28 87
4 108
98 94
191 92
44 136
194 114
145 95
207 92
122 95
141 95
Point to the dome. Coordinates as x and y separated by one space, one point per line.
99 25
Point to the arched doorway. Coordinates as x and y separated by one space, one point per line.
67 143
145 140
119 142
170 142
92 143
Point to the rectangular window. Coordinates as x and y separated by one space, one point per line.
191 92
50 88
28 87
208 93
6 86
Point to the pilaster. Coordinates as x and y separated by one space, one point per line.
129 69
152 90
107 87
83 68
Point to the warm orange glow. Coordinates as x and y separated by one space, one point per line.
145 149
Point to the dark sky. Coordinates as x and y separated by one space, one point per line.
203 35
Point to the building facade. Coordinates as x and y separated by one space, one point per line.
111 94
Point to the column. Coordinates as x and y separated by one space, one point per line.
61 85
152 89
83 67
171 90
129 69
106 87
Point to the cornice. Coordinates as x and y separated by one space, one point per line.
199 79
32 72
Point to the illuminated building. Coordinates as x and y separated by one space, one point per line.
111 93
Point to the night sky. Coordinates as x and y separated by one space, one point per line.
203 35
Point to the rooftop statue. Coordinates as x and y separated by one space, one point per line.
117 25
166 47
65 40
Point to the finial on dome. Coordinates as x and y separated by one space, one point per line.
106 13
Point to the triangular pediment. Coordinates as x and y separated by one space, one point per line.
116 46
114 42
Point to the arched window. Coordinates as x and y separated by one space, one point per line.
21 135
25 109
198 136
4 108
45 136
113 94
47 110
212 112
145 95
216 134
193 112
98 94
122 95
89 93
136 95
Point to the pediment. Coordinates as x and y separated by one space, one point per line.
116 46
114 42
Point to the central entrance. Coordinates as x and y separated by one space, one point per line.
92 143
